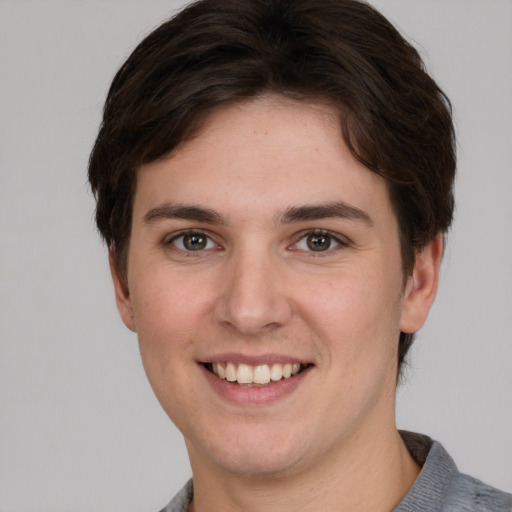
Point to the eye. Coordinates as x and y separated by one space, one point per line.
318 241
192 241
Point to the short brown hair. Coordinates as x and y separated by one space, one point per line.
394 117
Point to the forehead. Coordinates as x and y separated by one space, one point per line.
262 156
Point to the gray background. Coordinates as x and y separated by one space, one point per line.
79 427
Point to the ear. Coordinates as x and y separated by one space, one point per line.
123 301
421 287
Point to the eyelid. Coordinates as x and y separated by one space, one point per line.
168 241
340 240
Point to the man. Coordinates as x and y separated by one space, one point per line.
274 180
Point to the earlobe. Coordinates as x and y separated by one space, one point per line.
123 301
421 287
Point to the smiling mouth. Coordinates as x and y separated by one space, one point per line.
254 376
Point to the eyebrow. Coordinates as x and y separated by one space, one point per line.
185 212
339 209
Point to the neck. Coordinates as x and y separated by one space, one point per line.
370 474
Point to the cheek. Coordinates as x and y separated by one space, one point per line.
162 301
167 321
358 314
167 316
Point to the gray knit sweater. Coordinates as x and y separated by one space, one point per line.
439 487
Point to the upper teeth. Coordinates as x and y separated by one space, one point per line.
261 374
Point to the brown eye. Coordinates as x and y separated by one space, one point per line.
318 242
194 242
190 242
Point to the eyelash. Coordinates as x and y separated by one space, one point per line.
337 239
170 243
340 242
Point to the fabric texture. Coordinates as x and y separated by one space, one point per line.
440 487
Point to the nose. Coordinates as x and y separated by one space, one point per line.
254 296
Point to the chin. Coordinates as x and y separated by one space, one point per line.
256 452
258 465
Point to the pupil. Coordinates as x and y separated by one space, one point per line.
318 242
194 242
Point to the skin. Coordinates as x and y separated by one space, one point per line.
257 289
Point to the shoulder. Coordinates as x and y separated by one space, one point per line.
441 487
182 500
467 494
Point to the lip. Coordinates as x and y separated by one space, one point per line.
242 395
253 360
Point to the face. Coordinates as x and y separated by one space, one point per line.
265 285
